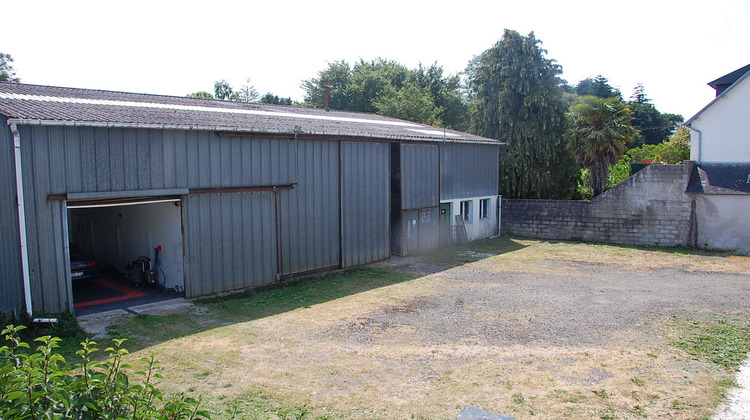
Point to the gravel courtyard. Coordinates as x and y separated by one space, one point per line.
521 328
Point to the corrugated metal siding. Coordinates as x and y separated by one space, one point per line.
365 202
468 170
43 166
310 212
59 160
11 282
230 242
117 159
419 176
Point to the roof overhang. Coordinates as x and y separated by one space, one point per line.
245 131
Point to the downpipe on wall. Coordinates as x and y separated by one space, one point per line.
22 227
700 142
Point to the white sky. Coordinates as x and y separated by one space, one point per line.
176 47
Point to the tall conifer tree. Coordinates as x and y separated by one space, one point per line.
517 99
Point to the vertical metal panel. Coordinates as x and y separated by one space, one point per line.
410 233
468 170
419 176
365 202
48 273
11 279
102 157
429 235
229 241
310 212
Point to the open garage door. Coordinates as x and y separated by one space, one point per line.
124 248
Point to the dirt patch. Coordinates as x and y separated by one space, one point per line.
545 331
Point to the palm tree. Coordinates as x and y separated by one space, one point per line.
599 130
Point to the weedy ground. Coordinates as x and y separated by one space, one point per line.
522 328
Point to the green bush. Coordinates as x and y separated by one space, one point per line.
41 384
674 151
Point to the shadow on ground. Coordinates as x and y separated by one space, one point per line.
143 330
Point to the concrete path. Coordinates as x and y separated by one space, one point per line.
96 323
737 406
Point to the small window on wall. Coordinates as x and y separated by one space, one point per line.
466 210
484 208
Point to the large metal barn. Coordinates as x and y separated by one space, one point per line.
232 195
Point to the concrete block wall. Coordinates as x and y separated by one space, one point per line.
649 208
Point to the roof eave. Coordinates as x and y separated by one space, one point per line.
25 121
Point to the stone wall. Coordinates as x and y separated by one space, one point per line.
649 208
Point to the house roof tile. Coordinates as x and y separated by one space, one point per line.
715 178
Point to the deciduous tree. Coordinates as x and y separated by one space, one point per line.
201 94
388 88
270 98
7 72
223 91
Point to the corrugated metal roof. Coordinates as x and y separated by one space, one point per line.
34 104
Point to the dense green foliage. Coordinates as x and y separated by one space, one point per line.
653 126
388 88
7 72
224 91
598 86
270 98
42 385
201 95
517 99
674 151
599 130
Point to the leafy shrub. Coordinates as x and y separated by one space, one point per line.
674 151
42 385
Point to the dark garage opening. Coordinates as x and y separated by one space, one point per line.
124 254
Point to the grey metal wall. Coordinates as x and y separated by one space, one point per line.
11 287
44 172
419 176
310 212
365 202
468 170
62 160
230 242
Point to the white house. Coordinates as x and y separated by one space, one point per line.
720 182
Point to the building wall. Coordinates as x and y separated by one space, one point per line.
365 207
11 286
722 221
476 227
649 208
468 170
725 136
230 242
70 160
309 213
419 176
